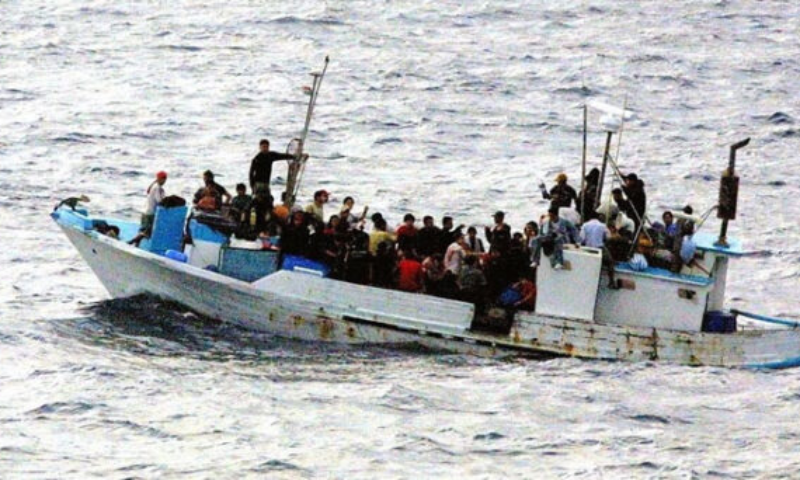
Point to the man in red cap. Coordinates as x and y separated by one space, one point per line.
155 194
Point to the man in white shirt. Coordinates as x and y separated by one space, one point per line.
454 256
594 233
155 194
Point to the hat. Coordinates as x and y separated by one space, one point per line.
632 176
161 174
561 177
499 213
320 193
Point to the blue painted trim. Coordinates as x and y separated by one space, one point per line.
766 319
706 242
793 362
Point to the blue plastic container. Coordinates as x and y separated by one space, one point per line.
167 230
719 322
299 264
176 255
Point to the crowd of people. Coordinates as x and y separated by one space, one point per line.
448 260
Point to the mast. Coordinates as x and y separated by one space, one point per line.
297 166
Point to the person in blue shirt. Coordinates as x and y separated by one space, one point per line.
554 234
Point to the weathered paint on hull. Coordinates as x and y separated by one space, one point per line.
126 271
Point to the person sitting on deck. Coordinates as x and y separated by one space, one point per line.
208 201
240 203
555 233
407 234
562 194
499 235
684 248
410 276
317 207
155 194
428 237
217 190
594 233
520 295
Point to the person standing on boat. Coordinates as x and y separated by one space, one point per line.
428 238
562 194
587 197
637 198
261 166
155 194
455 254
499 235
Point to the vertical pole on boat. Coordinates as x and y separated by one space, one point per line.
297 166
583 159
728 193
606 153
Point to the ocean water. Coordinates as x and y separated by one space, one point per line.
456 108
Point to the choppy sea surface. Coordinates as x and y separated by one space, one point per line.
436 108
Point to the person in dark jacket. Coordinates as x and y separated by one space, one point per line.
295 237
261 166
634 190
562 194
588 197
429 237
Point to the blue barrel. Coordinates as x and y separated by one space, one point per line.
719 322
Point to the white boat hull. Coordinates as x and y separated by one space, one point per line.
297 306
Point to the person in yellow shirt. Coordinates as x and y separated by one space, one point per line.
380 235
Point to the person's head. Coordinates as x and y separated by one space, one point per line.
617 194
427 221
320 197
631 179
161 177
561 178
531 229
600 217
333 222
553 213
499 216
263 145
517 237
376 216
688 228
380 224
688 210
349 202
409 219
472 231
241 189
459 238
667 218
208 177
447 223
593 176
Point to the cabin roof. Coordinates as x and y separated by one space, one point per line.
706 241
